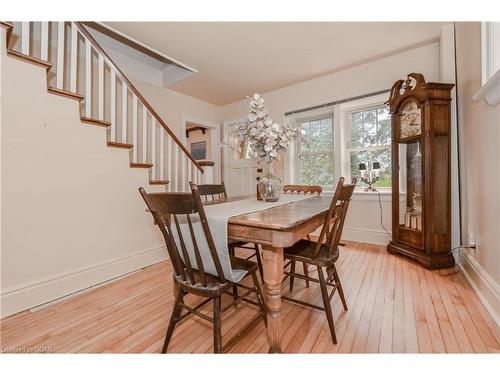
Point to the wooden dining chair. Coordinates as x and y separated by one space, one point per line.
301 189
323 253
214 192
189 274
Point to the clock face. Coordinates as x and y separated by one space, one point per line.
410 123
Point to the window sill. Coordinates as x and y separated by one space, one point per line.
490 91
368 196
372 196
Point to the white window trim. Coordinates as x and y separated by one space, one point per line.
341 166
343 125
316 115
490 63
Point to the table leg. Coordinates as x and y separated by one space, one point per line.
272 262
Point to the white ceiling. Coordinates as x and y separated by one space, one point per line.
235 59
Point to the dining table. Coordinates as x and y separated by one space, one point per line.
274 229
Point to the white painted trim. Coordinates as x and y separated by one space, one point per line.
490 91
44 41
369 196
448 74
43 290
148 47
487 290
60 55
371 236
25 38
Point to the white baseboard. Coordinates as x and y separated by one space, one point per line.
23 297
376 237
483 285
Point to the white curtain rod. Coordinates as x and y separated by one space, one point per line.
337 102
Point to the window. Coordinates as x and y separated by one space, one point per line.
337 138
315 152
490 63
490 53
368 139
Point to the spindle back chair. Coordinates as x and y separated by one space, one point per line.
170 211
324 252
301 189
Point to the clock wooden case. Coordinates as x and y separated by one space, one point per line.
421 183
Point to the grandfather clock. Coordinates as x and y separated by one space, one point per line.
421 183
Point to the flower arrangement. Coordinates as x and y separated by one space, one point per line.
264 137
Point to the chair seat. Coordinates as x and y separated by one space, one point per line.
243 264
236 243
214 285
303 251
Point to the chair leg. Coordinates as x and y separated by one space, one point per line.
292 278
259 261
339 287
173 320
306 272
326 303
260 297
235 288
217 326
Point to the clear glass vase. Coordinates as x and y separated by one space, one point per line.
270 185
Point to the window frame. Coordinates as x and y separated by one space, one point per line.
490 52
490 63
346 109
341 159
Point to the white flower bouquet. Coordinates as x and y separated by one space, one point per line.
264 137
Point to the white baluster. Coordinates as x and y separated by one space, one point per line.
74 58
182 172
178 180
134 129
100 85
124 112
198 176
144 134
112 104
88 79
44 41
153 148
162 153
60 56
169 164
25 38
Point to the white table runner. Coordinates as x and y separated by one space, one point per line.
218 216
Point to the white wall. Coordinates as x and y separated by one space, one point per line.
480 130
363 221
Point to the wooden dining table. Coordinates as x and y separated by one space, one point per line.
275 229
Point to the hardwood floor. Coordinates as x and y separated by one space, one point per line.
395 306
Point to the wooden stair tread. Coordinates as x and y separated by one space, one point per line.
140 165
29 58
159 182
68 94
94 121
119 145
6 25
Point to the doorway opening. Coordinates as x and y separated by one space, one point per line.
201 138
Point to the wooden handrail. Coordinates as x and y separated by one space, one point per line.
136 92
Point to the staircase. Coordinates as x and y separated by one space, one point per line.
78 68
